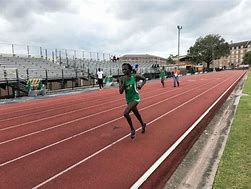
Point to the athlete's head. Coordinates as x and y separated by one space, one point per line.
126 68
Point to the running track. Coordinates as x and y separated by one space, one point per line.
82 140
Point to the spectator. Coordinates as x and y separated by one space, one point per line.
100 78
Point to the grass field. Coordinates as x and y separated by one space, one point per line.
235 166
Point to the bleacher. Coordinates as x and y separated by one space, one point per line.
29 68
57 72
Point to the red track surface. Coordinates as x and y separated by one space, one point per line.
82 140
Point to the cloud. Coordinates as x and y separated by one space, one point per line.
122 26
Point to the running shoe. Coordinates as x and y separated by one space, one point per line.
143 128
133 133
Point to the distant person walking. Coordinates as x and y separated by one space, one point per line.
100 78
176 73
162 76
128 83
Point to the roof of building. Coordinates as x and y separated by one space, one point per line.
243 43
140 55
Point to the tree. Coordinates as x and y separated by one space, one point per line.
209 48
170 59
247 58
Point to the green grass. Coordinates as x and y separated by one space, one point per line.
235 166
247 85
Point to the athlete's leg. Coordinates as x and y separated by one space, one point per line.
178 83
137 114
162 82
127 111
102 85
174 81
99 83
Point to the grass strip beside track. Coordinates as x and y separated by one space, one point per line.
235 165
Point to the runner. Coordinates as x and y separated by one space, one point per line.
128 83
162 76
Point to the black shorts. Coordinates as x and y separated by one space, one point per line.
100 81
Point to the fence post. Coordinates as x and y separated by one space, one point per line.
52 53
28 51
72 83
13 50
60 59
18 83
8 89
41 52
46 79
27 72
45 54
62 85
66 57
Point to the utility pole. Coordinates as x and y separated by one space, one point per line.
179 28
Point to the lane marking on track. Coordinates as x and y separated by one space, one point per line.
143 178
73 111
94 128
115 142
51 109
43 102
56 108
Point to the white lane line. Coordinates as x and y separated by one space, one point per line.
101 125
49 110
30 114
42 119
115 142
69 112
110 93
143 178
14 126
62 124
42 102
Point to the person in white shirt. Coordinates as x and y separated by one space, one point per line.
100 78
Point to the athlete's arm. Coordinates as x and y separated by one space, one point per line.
140 77
121 85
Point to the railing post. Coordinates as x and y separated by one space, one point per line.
46 57
28 51
13 50
46 79
52 53
72 83
60 59
18 83
41 52
27 72
8 88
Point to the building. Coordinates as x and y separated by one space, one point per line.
237 52
143 59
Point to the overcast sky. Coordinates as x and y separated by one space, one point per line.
122 26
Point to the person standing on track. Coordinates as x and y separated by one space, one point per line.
128 83
176 73
162 76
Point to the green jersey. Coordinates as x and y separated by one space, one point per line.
131 92
162 74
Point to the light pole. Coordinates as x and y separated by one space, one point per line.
179 28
